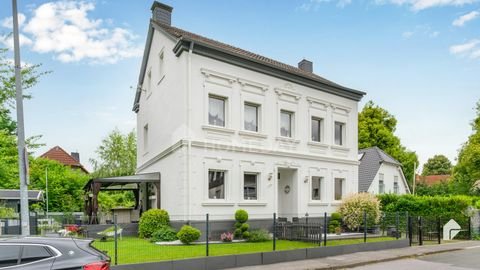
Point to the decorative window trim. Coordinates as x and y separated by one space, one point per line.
284 95
253 87
218 78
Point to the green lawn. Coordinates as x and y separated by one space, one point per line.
135 250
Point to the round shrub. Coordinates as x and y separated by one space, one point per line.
336 216
241 216
238 224
164 234
237 233
246 235
188 234
259 236
152 221
245 227
355 205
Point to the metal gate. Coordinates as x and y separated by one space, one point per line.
424 229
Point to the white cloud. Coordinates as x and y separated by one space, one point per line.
460 21
7 40
418 5
469 49
315 4
65 29
8 22
421 30
407 34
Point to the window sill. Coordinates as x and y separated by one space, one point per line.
287 139
219 203
340 148
336 203
252 134
218 129
318 144
312 203
252 203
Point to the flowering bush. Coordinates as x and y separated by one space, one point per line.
226 237
354 206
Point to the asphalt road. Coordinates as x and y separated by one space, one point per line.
454 260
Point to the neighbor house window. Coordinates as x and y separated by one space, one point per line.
339 188
381 184
339 133
250 184
145 137
316 129
251 117
216 184
395 185
317 188
216 111
286 119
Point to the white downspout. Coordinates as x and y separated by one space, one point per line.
189 139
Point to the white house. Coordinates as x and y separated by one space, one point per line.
228 129
380 173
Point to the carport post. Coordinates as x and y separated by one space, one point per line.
116 238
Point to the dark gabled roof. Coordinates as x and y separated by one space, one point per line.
14 194
370 161
223 52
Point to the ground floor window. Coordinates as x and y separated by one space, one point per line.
250 184
317 188
216 184
339 188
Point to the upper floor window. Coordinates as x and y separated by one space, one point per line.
395 185
339 188
339 133
317 188
250 190
286 123
381 184
216 111
251 117
216 184
316 129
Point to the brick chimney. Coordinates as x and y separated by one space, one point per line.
162 13
306 65
76 156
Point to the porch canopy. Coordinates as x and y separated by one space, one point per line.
118 183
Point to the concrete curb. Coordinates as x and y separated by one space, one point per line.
385 260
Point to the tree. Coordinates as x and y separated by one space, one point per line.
437 165
467 170
8 161
117 155
376 127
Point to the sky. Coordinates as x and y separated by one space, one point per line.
419 59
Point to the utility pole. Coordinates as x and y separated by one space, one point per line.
22 151
46 188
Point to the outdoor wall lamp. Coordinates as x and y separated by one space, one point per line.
270 175
306 179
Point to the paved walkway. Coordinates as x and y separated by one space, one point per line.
364 258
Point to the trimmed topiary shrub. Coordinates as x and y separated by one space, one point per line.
241 216
245 227
188 234
164 234
259 236
246 235
238 224
237 233
335 222
152 221
355 205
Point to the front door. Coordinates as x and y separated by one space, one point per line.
287 193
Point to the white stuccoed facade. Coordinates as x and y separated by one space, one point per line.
390 174
176 139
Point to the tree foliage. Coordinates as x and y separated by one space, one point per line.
467 171
117 155
376 127
437 165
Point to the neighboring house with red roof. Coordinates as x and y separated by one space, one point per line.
72 160
430 180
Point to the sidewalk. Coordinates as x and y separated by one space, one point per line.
363 258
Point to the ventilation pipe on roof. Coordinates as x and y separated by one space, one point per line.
162 13
306 65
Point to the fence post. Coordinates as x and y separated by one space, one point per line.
407 229
274 231
438 230
207 234
469 228
325 230
116 238
364 226
410 229
397 225
420 232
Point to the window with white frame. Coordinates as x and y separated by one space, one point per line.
339 133
339 188
250 116
395 185
381 183
286 123
250 186
317 182
145 137
317 129
216 110
216 184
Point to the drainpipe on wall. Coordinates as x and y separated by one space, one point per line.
189 139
